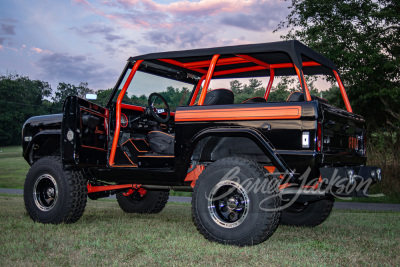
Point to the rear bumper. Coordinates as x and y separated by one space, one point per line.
349 181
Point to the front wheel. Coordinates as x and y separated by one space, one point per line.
234 203
54 195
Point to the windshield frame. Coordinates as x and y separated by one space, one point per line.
157 70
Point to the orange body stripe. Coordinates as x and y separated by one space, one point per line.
266 113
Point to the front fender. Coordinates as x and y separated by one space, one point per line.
39 139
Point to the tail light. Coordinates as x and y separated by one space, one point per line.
319 137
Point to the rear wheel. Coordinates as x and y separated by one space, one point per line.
54 195
309 215
229 208
151 202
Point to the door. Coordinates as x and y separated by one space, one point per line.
84 133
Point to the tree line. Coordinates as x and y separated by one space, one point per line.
22 98
362 37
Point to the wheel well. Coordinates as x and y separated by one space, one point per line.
216 147
43 146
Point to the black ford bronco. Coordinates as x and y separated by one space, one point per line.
251 164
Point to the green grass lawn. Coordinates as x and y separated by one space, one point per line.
13 169
107 236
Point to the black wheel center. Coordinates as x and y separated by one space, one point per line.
50 192
232 203
228 204
45 192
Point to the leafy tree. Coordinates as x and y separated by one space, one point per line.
103 96
334 97
254 85
175 96
21 98
137 100
65 89
279 94
363 38
236 86
246 91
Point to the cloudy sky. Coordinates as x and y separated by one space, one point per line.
77 41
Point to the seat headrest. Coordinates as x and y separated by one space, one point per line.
295 97
298 96
254 100
219 97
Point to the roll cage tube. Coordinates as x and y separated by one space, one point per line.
271 81
196 91
343 92
215 61
303 83
118 112
208 79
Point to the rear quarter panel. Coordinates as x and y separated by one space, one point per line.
281 123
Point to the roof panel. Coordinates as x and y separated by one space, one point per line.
277 52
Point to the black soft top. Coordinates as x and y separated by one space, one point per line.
270 53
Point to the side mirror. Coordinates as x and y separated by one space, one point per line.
90 96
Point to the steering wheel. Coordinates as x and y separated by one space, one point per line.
154 111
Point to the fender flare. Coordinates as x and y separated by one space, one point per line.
27 153
255 135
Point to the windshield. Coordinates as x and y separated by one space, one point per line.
176 93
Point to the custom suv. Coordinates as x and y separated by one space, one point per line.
181 121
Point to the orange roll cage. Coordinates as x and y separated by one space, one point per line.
208 74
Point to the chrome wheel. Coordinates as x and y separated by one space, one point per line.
45 192
228 204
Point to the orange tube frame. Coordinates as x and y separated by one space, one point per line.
239 59
271 81
208 78
343 91
196 92
303 82
118 112
101 188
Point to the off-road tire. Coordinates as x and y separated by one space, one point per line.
245 229
70 194
310 215
152 202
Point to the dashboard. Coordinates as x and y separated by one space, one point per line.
142 122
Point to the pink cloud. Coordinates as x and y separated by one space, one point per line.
2 47
190 23
41 51
207 7
200 8
148 13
